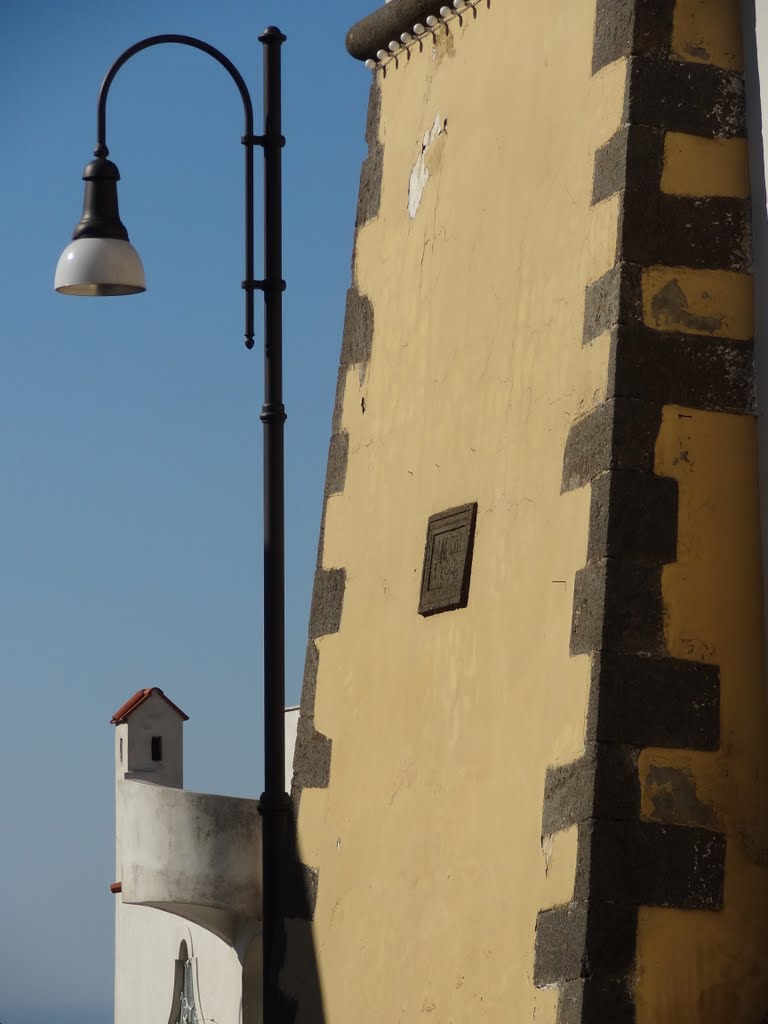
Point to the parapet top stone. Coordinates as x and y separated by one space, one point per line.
140 697
388 22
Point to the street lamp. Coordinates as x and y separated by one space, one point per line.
100 260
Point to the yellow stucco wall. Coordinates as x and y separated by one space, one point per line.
694 967
708 968
428 839
708 32
714 303
694 166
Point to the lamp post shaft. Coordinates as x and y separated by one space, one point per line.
274 801
273 804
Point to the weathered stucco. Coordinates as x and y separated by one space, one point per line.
197 855
707 32
695 166
703 968
547 800
707 968
717 303
428 835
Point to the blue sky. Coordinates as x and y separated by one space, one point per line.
130 443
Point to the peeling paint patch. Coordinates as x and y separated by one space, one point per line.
670 309
546 849
715 303
674 800
697 51
419 177
443 45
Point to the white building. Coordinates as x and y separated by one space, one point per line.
188 889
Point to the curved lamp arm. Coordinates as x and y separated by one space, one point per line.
144 44
249 140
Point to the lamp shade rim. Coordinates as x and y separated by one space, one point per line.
89 289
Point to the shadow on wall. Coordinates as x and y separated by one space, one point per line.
297 966
178 982
755 42
295 963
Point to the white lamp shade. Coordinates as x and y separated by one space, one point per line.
99 266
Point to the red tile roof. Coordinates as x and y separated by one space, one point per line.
137 700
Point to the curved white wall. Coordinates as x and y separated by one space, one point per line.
147 945
192 854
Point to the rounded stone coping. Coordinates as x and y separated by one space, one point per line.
375 31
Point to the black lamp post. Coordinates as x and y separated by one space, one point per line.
100 260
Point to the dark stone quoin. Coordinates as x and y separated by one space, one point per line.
640 696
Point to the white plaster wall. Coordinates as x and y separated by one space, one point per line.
755 32
155 717
146 948
133 753
147 940
193 854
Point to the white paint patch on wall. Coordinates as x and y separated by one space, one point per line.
420 172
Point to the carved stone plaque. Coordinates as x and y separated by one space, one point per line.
447 560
